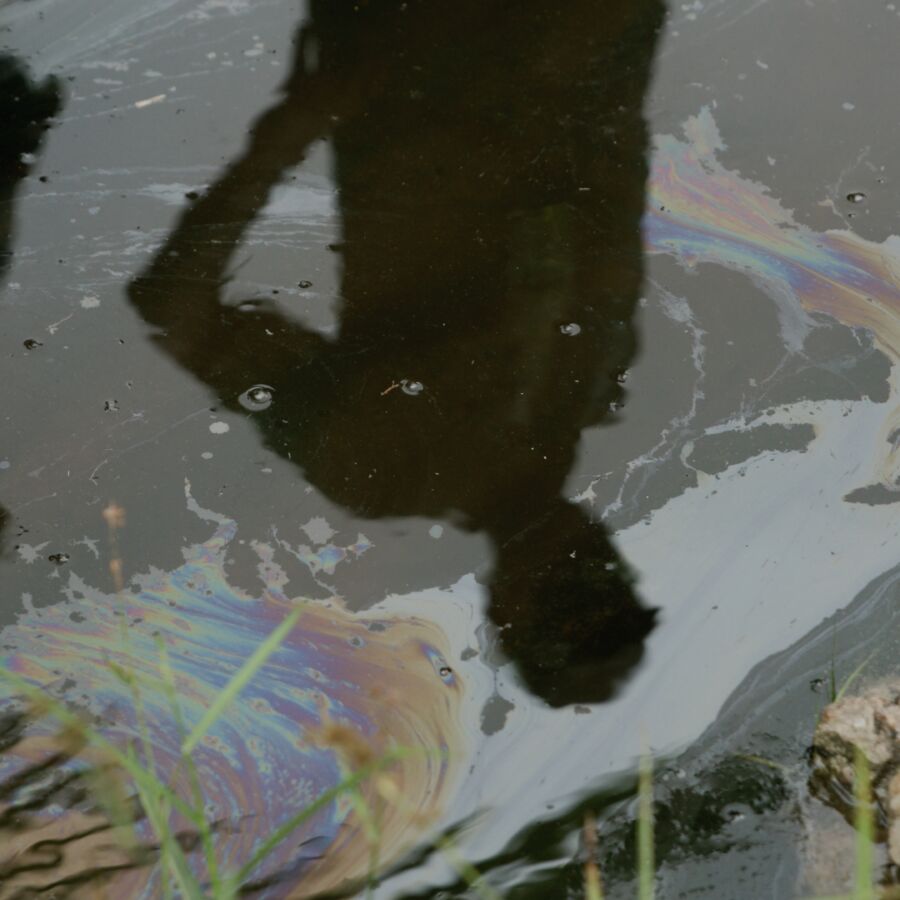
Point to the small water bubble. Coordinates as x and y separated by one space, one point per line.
32 344
304 285
59 558
257 398
445 671
570 329
249 306
735 812
816 685
413 388
856 196
111 405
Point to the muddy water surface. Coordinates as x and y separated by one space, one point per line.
546 352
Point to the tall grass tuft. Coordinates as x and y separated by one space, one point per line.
157 798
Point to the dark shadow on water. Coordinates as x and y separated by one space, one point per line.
25 110
490 160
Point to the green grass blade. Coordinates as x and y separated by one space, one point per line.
592 889
833 658
372 829
280 833
853 676
157 811
240 680
472 877
645 861
206 838
864 829
131 681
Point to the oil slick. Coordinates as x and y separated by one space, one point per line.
746 561
741 564
700 212
383 676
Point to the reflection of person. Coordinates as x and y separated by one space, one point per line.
25 108
490 160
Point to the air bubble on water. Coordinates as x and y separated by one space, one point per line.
257 398
111 405
445 671
249 306
570 329
304 285
734 812
816 685
59 558
856 196
413 388
32 344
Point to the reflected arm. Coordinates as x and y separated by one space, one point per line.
180 291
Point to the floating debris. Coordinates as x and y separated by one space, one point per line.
413 388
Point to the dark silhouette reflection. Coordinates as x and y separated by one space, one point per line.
25 111
490 160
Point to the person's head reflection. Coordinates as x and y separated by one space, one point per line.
490 161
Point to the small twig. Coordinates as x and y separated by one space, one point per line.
391 387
